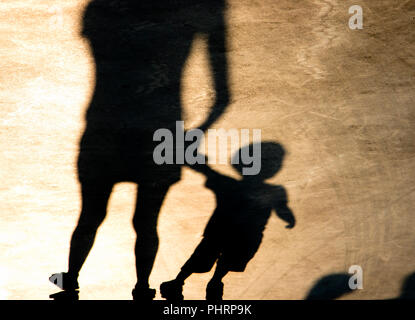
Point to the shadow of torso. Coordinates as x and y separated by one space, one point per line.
241 215
140 48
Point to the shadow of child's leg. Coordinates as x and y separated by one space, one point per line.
214 289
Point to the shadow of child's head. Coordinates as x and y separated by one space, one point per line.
259 161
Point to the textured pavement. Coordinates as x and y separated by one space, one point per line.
341 102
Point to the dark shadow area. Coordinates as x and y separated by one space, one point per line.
334 286
140 49
66 295
330 287
408 288
235 230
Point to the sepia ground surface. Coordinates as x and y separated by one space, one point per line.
341 101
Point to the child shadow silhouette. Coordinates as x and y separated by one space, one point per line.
235 229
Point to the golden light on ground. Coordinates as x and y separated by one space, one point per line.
340 101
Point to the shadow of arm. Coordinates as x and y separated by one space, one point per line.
283 211
217 49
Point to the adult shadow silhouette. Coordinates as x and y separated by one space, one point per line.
140 49
235 230
334 286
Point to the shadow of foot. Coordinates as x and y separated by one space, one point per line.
143 294
70 295
172 290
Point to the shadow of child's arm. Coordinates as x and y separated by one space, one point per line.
283 211
203 168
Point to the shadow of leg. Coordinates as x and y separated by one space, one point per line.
149 201
94 207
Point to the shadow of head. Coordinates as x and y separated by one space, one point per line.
265 158
330 287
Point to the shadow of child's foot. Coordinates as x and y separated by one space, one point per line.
70 295
172 290
214 291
